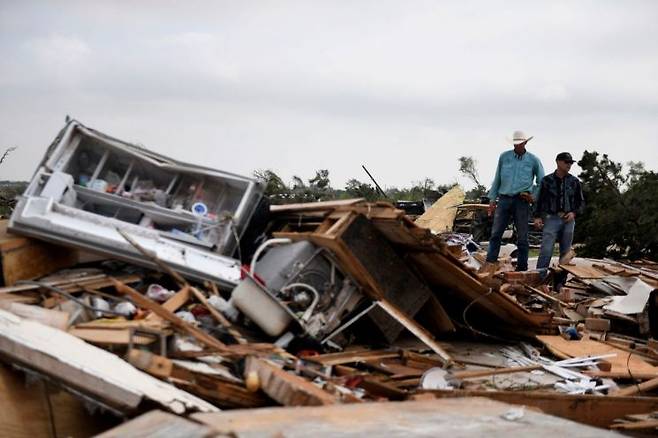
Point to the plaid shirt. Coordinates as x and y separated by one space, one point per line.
558 195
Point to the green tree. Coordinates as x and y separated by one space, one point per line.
275 188
468 168
620 218
357 189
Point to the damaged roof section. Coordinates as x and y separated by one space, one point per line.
89 185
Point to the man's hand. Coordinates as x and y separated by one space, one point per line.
569 216
491 209
538 223
527 197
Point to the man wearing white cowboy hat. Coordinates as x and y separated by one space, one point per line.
515 187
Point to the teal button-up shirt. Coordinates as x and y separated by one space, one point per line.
516 174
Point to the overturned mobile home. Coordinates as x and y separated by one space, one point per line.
89 184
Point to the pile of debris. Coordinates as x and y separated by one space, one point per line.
174 287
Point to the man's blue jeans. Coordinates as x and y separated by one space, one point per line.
518 210
555 228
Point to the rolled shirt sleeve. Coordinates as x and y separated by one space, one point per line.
538 171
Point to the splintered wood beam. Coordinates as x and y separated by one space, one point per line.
416 329
183 283
286 388
165 314
486 373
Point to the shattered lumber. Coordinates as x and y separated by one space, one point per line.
184 284
415 283
179 323
200 379
287 389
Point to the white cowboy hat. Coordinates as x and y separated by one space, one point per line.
519 137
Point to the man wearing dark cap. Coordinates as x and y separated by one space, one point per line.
560 200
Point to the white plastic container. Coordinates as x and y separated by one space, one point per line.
250 298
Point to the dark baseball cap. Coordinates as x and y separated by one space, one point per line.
564 156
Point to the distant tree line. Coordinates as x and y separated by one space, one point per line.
319 188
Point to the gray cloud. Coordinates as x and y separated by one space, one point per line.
295 86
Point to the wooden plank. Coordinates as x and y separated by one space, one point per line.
53 318
446 273
158 424
285 388
24 258
636 425
226 395
108 323
74 283
377 388
109 336
584 271
394 369
178 300
314 206
494 372
332 359
416 329
153 364
589 409
637 389
588 347
215 388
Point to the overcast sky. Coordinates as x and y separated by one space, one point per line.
404 87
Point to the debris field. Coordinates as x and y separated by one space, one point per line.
142 296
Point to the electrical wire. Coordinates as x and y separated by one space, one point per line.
478 332
70 297
628 368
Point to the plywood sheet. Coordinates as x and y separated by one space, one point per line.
588 347
441 215
24 258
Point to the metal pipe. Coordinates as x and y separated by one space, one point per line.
316 299
262 247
